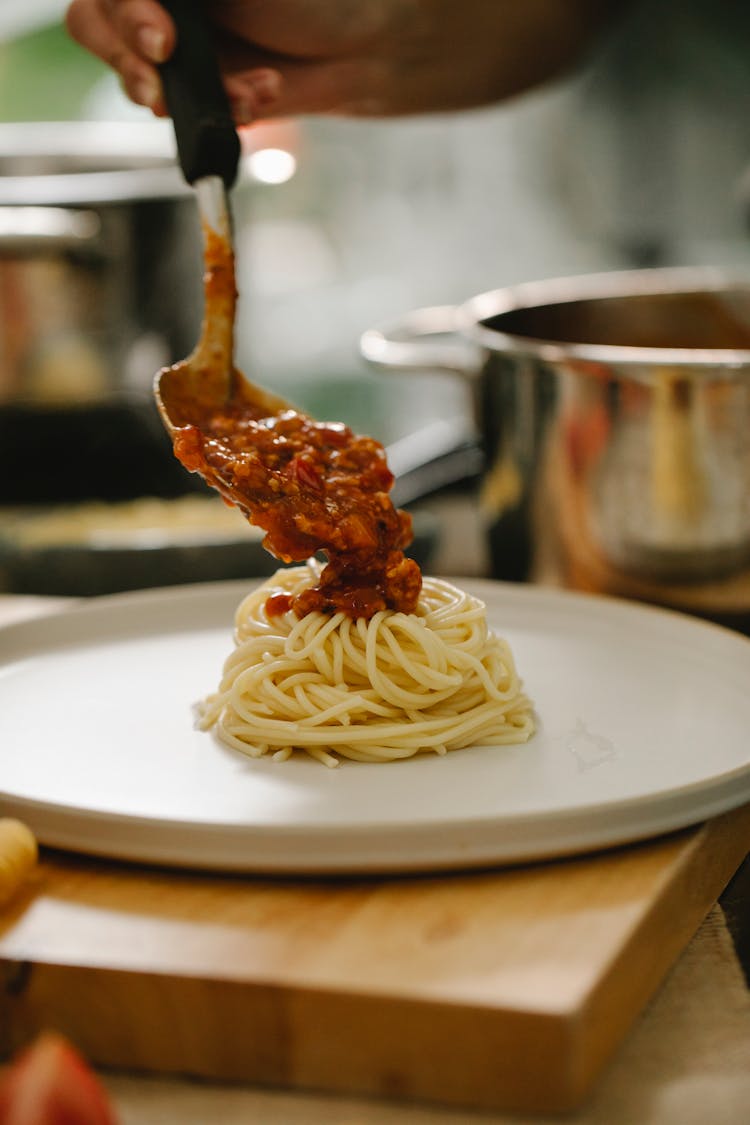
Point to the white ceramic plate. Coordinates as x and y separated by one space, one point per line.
643 727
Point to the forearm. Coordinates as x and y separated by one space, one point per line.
382 57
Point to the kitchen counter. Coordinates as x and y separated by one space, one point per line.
686 1058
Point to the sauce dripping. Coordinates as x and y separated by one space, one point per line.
312 486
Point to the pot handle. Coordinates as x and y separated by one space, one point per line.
408 343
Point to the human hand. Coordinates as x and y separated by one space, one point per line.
350 57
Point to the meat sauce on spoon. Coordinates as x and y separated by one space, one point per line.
312 486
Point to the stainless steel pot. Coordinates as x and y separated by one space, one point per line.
614 413
99 260
100 285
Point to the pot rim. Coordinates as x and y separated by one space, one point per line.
601 286
97 162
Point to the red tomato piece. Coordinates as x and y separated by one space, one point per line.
50 1084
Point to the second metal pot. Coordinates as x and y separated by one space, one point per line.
614 413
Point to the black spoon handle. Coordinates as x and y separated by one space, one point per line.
207 141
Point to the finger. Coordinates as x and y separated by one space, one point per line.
89 23
254 95
265 83
145 26
346 87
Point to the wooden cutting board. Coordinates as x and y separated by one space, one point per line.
504 989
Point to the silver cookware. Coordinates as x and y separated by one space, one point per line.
100 285
99 260
614 415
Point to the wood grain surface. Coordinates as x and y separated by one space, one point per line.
501 989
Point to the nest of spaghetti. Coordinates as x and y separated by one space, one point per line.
375 690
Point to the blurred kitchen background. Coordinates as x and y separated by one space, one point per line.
639 158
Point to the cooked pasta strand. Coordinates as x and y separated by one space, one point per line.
371 690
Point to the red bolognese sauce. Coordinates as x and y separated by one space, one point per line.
312 486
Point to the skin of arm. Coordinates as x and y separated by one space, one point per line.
367 58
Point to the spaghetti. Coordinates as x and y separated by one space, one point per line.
373 690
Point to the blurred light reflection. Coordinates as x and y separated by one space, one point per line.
271 165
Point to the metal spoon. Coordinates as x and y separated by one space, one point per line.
208 149
217 419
